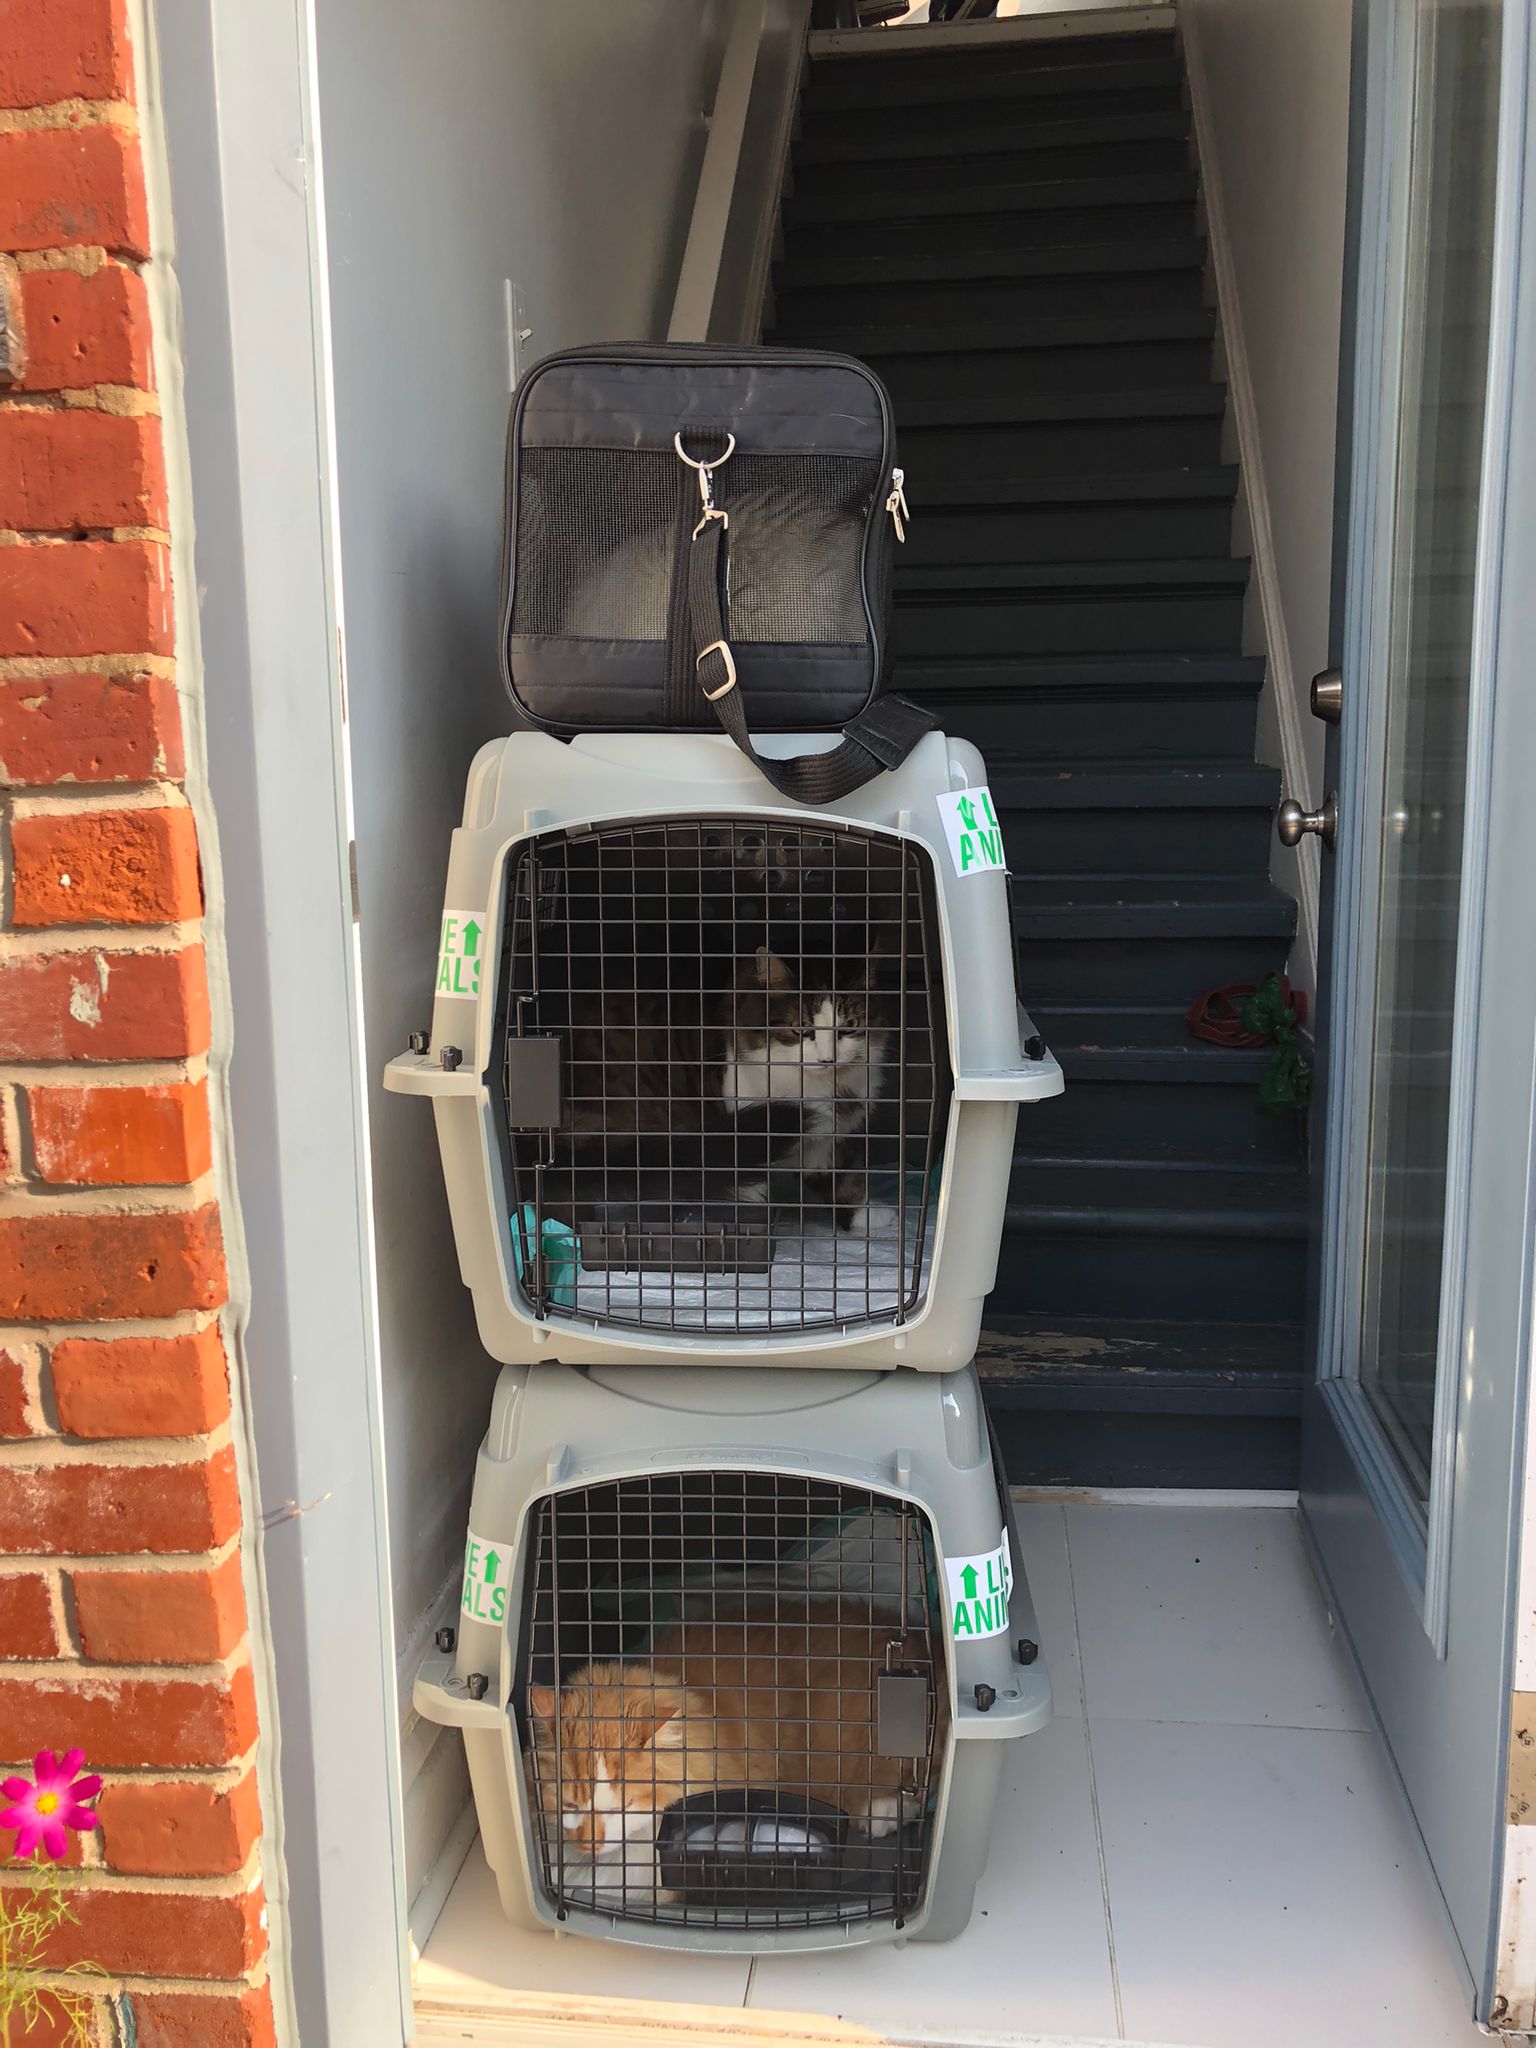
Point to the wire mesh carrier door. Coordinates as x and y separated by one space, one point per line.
725 1074
733 1701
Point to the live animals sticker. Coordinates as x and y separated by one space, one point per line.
487 1575
978 1592
971 827
459 952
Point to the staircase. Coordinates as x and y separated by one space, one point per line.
1007 227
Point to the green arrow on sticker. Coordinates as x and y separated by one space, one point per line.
490 1567
968 1582
471 939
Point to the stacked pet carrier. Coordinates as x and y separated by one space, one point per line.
726 1057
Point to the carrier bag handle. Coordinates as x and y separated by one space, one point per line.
880 737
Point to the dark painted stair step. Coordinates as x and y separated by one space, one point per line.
1066 330
940 169
1140 1085
1141 907
1153 941
1148 1240
1132 619
1001 388
1021 72
986 126
897 200
1100 817
1149 514
981 304
1094 1402
1173 709
1027 1361
1068 229
1002 258
1065 435
1215 573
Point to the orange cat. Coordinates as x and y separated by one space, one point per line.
777 1694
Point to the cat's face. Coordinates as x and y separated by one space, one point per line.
787 1042
621 1738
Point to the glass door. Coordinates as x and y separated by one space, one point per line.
1427 998
1413 722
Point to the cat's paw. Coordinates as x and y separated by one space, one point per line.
884 1816
871 1219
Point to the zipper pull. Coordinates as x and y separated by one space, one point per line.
896 503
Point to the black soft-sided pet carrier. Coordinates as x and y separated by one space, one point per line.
701 537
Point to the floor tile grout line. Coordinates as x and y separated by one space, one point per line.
1093 1783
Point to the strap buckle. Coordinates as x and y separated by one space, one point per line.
721 648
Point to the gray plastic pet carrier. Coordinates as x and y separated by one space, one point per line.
717 1076
737 1654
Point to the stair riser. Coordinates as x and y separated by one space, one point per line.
894 306
1073 228
928 162
1096 1272
1060 447
1093 623
1061 727
1089 972
987 123
965 77
1157 530
1158 1120
1076 1448
1002 258
1137 842
899 203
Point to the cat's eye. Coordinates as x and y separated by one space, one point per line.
751 843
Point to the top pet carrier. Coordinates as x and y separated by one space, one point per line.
700 538
721 1078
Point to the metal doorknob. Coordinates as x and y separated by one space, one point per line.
1292 823
1328 695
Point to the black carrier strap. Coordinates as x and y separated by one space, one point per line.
880 737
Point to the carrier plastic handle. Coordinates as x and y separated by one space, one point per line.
417 1073
1032 1080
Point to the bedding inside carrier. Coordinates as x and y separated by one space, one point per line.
732 1700
725 1077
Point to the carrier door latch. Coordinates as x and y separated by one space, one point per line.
535 1097
901 1713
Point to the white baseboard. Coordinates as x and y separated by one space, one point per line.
1296 870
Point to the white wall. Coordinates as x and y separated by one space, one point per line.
1272 81
463 143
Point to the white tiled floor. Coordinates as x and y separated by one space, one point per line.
1205 1848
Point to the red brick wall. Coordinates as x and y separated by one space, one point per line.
123 1625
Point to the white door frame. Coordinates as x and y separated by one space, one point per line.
237 104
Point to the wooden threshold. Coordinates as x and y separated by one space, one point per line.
555 2020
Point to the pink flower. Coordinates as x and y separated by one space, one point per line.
41 1811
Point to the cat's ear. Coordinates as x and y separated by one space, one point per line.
544 1701
771 970
651 1715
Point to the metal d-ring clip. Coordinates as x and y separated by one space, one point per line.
706 488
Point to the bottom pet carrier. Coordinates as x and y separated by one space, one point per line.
736 1653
